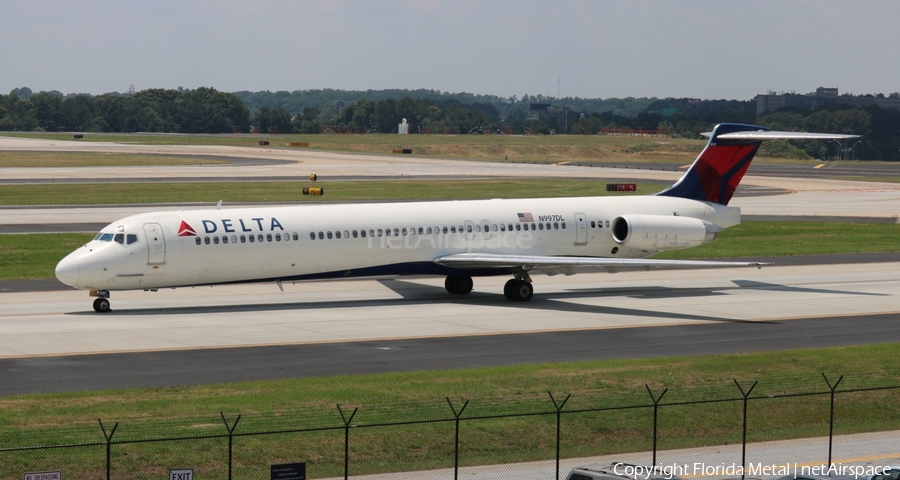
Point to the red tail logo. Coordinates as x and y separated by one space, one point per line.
186 230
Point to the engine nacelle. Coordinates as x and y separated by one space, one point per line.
662 232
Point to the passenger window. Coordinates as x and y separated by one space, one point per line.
328 234
206 240
404 232
509 227
216 239
243 239
380 232
469 228
477 228
321 236
277 237
592 224
387 232
312 235
251 238
556 225
396 232
120 238
563 225
346 234
371 232
224 238
132 238
445 230
502 227
518 227
495 227
422 231
541 226
260 238
355 234
234 239
362 233
197 239
337 234
607 224
453 229
268 237
296 237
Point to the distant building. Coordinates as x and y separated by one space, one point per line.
820 98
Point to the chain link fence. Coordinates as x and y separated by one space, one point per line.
647 430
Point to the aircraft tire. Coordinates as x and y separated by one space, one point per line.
518 290
101 305
458 284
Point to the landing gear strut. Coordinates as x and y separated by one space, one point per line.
458 284
101 304
519 289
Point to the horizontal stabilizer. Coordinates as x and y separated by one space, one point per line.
770 135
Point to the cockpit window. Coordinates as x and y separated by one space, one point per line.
104 237
120 238
132 238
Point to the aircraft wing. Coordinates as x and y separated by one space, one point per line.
551 264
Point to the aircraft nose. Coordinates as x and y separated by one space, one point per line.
67 271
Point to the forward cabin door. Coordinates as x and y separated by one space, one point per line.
580 229
156 244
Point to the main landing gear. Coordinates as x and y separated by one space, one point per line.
518 289
101 303
458 284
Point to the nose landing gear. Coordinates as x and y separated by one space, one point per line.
101 303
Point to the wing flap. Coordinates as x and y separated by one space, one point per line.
564 264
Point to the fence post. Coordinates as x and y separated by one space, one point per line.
456 443
108 437
230 429
831 417
655 415
559 407
744 435
347 439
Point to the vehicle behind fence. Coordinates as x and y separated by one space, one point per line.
646 431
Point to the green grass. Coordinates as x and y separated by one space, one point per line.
27 257
763 239
236 192
402 397
77 159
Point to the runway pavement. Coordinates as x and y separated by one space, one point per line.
55 342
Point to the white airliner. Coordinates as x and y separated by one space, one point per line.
456 239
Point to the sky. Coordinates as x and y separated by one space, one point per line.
710 49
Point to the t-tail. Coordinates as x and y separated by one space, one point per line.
716 173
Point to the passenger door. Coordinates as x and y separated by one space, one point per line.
156 244
580 229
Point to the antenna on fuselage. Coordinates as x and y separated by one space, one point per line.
219 205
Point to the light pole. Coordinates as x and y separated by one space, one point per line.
839 148
852 151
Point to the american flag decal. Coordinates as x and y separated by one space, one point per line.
525 217
186 230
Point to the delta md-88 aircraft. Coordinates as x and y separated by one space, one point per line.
456 239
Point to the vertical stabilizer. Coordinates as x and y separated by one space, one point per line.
717 171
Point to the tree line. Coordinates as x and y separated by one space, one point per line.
206 110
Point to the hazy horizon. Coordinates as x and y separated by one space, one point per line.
571 48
